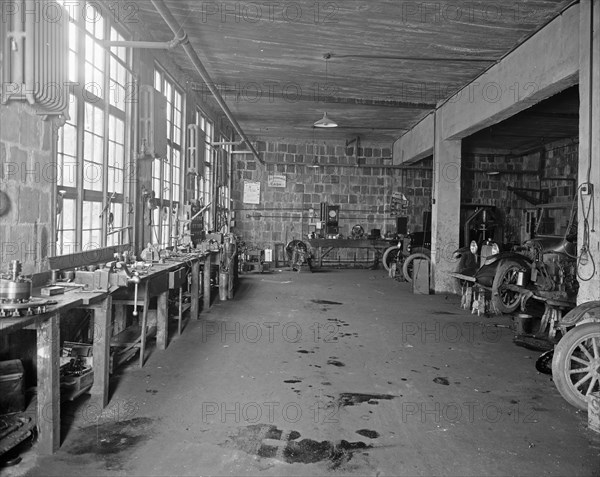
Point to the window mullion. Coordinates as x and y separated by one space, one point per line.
80 143
105 139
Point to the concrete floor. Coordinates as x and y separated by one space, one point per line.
331 373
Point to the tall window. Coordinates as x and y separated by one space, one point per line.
223 192
206 184
167 172
92 156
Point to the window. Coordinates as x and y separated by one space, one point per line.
167 172
223 191
92 144
206 184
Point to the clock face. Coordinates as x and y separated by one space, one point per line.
332 213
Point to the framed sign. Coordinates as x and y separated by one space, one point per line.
399 204
251 192
276 180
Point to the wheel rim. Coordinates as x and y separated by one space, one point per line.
509 297
583 368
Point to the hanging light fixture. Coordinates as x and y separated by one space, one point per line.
325 122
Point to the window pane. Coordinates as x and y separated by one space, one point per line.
68 214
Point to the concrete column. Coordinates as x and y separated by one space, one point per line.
589 151
445 216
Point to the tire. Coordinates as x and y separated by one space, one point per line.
569 356
389 256
422 250
407 268
504 300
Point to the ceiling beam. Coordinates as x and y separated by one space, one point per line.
236 95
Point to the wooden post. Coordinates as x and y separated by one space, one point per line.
162 316
206 281
102 335
120 318
195 292
144 323
180 310
48 384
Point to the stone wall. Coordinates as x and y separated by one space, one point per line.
361 184
28 178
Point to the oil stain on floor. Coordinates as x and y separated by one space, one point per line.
351 399
267 441
112 442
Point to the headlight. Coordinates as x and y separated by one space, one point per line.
495 249
473 247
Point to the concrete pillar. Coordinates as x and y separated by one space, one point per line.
445 216
589 150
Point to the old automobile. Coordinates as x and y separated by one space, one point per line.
544 267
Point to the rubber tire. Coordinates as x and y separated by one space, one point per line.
422 250
408 262
500 272
387 254
561 362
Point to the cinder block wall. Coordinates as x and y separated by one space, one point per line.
361 184
28 178
553 168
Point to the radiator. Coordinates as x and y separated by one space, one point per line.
34 54
196 148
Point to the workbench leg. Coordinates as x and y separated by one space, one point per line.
48 385
195 292
144 325
206 281
162 316
180 310
102 335
120 318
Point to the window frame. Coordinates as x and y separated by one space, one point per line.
86 97
173 165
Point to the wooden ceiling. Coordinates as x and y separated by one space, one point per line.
268 58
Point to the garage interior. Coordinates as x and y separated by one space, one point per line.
392 201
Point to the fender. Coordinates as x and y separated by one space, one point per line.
517 257
584 313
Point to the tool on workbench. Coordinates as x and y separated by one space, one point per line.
15 294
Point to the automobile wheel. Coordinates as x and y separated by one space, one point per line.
390 256
407 268
503 299
576 364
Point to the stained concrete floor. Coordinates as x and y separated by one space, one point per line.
332 373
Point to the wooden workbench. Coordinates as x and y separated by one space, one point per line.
325 246
157 282
160 279
47 326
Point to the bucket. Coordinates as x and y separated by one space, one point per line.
594 411
523 323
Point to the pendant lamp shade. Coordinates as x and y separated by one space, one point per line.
325 122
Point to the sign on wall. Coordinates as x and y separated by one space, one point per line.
276 180
251 192
399 204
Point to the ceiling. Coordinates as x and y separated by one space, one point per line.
268 61
551 120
